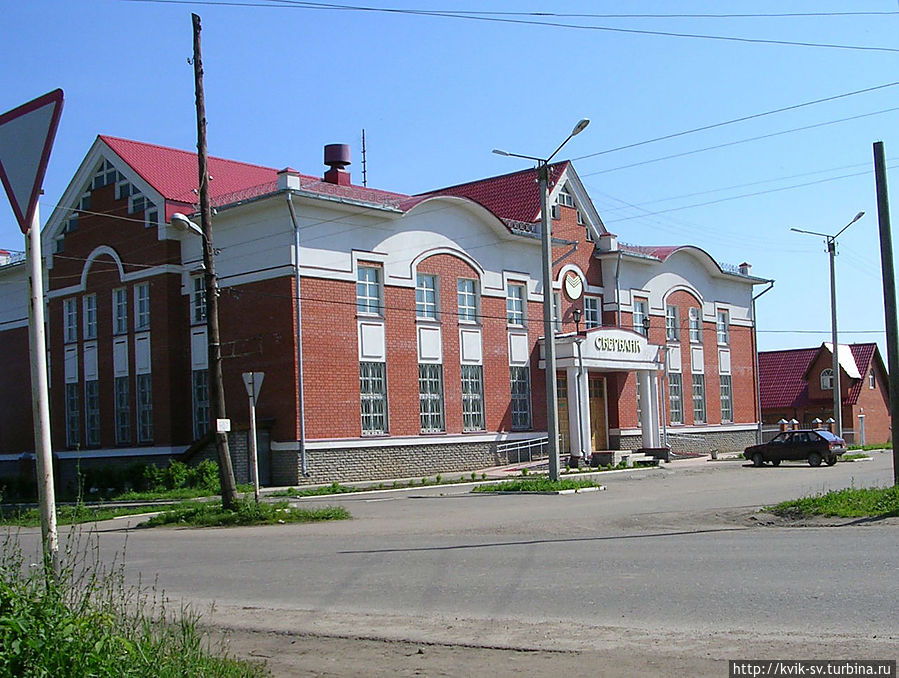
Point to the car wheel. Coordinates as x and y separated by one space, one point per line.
814 459
775 462
757 459
831 460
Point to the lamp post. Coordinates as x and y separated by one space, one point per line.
576 316
831 241
552 412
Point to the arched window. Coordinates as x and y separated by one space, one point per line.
827 380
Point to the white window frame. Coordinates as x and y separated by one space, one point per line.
520 400
564 197
144 397
106 174
698 390
727 398
516 305
472 398
695 323
199 388
198 300
430 398
557 311
92 413
826 379
722 327
872 379
142 306
70 320
427 301
592 312
672 323
90 316
369 291
468 300
120 310
373 398
73 416
675 398
639 313
122 386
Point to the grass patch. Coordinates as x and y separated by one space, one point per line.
875 502
537 485
333 488
70 515
854 456
87 622
246 513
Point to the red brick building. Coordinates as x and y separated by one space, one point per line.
798 384
413 345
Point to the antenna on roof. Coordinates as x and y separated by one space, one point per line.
364 168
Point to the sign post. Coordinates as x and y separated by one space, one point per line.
26 138
253 382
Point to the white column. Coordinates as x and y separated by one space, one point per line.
578 412
655 415
646 406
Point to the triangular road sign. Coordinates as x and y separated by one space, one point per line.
26 137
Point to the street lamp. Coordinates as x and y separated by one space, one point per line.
552 412
831 241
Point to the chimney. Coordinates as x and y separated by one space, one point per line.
288 179
745 268
608 242
337 157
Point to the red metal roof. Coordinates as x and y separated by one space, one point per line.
782 381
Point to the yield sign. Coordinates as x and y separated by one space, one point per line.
26 137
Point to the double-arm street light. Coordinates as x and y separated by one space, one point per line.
831 241
549 344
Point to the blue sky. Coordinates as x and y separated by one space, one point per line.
436 93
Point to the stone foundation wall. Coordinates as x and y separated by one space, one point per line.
705 442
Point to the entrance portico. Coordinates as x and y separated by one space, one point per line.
584 357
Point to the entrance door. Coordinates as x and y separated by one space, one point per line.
599 430
562 397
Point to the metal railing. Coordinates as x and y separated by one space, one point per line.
532 449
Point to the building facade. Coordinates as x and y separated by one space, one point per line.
400 335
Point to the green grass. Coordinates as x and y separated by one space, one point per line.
854 457
174 495
536 485
877 502
333 488
87 622
247 513
69 515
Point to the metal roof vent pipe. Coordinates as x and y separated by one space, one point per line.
337 157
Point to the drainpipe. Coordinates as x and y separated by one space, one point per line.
755 357
301 405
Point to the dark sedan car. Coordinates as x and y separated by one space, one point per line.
810 445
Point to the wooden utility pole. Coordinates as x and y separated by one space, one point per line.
889 297
216 387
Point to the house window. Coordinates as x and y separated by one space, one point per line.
723 327
727 400
672 327
123 188
515 313
872 382
106 174
430 397
472 398
90 316
698 398
521 398
368 290
142 306
592 312
373 396
695 326
827 380
73 419
639 401
640 316
120 310
198 300
92 413
122 411
557 312
200 390
564 197
144 408
426 297
467 300
70 320
675 398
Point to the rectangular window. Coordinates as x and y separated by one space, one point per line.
373 397
675 398
872 380
92 413
695 326
565 197
144 408
468 300
521 398
592 312
106 174
515 313
73 418
727 400
200 389
368 290
198 301
430 397
142 306
723 327
639 401
70 320
123 188
472 398
122 411
426 297
698 398
557 312
672 323
640 316
120 311
90 316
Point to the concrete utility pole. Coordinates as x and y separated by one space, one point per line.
216 387
889 296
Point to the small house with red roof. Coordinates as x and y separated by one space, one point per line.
797 384
400 335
